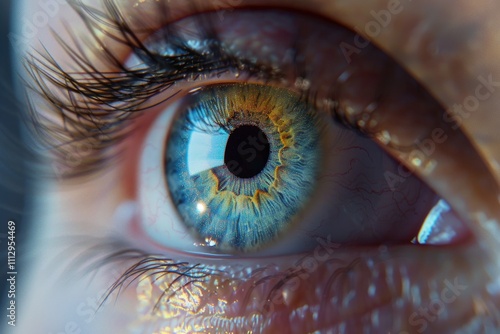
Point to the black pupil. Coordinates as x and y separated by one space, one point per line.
247 151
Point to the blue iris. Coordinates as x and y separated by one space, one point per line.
279 155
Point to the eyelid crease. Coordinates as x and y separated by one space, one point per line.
87 100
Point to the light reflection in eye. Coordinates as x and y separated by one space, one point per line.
441 226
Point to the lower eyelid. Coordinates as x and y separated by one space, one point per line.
310 283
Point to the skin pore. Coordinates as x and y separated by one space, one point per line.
447 45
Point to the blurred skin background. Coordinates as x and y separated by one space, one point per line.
451 85
13 184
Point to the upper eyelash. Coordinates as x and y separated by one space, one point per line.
96 106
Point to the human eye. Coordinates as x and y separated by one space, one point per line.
136 90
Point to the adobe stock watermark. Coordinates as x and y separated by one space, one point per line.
74 158
247 151
222 6
79 151
381 20
454 116
87 311
30 26
424 315
304 267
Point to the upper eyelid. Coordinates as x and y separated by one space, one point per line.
96 79
437 38
86 97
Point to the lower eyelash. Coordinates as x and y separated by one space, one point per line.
172 277
328 278
157 268
177 275
143 266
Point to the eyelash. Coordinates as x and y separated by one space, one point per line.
148 266
97 107
157 267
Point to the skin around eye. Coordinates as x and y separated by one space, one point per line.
449 291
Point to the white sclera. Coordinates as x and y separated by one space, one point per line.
159 219
161 222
